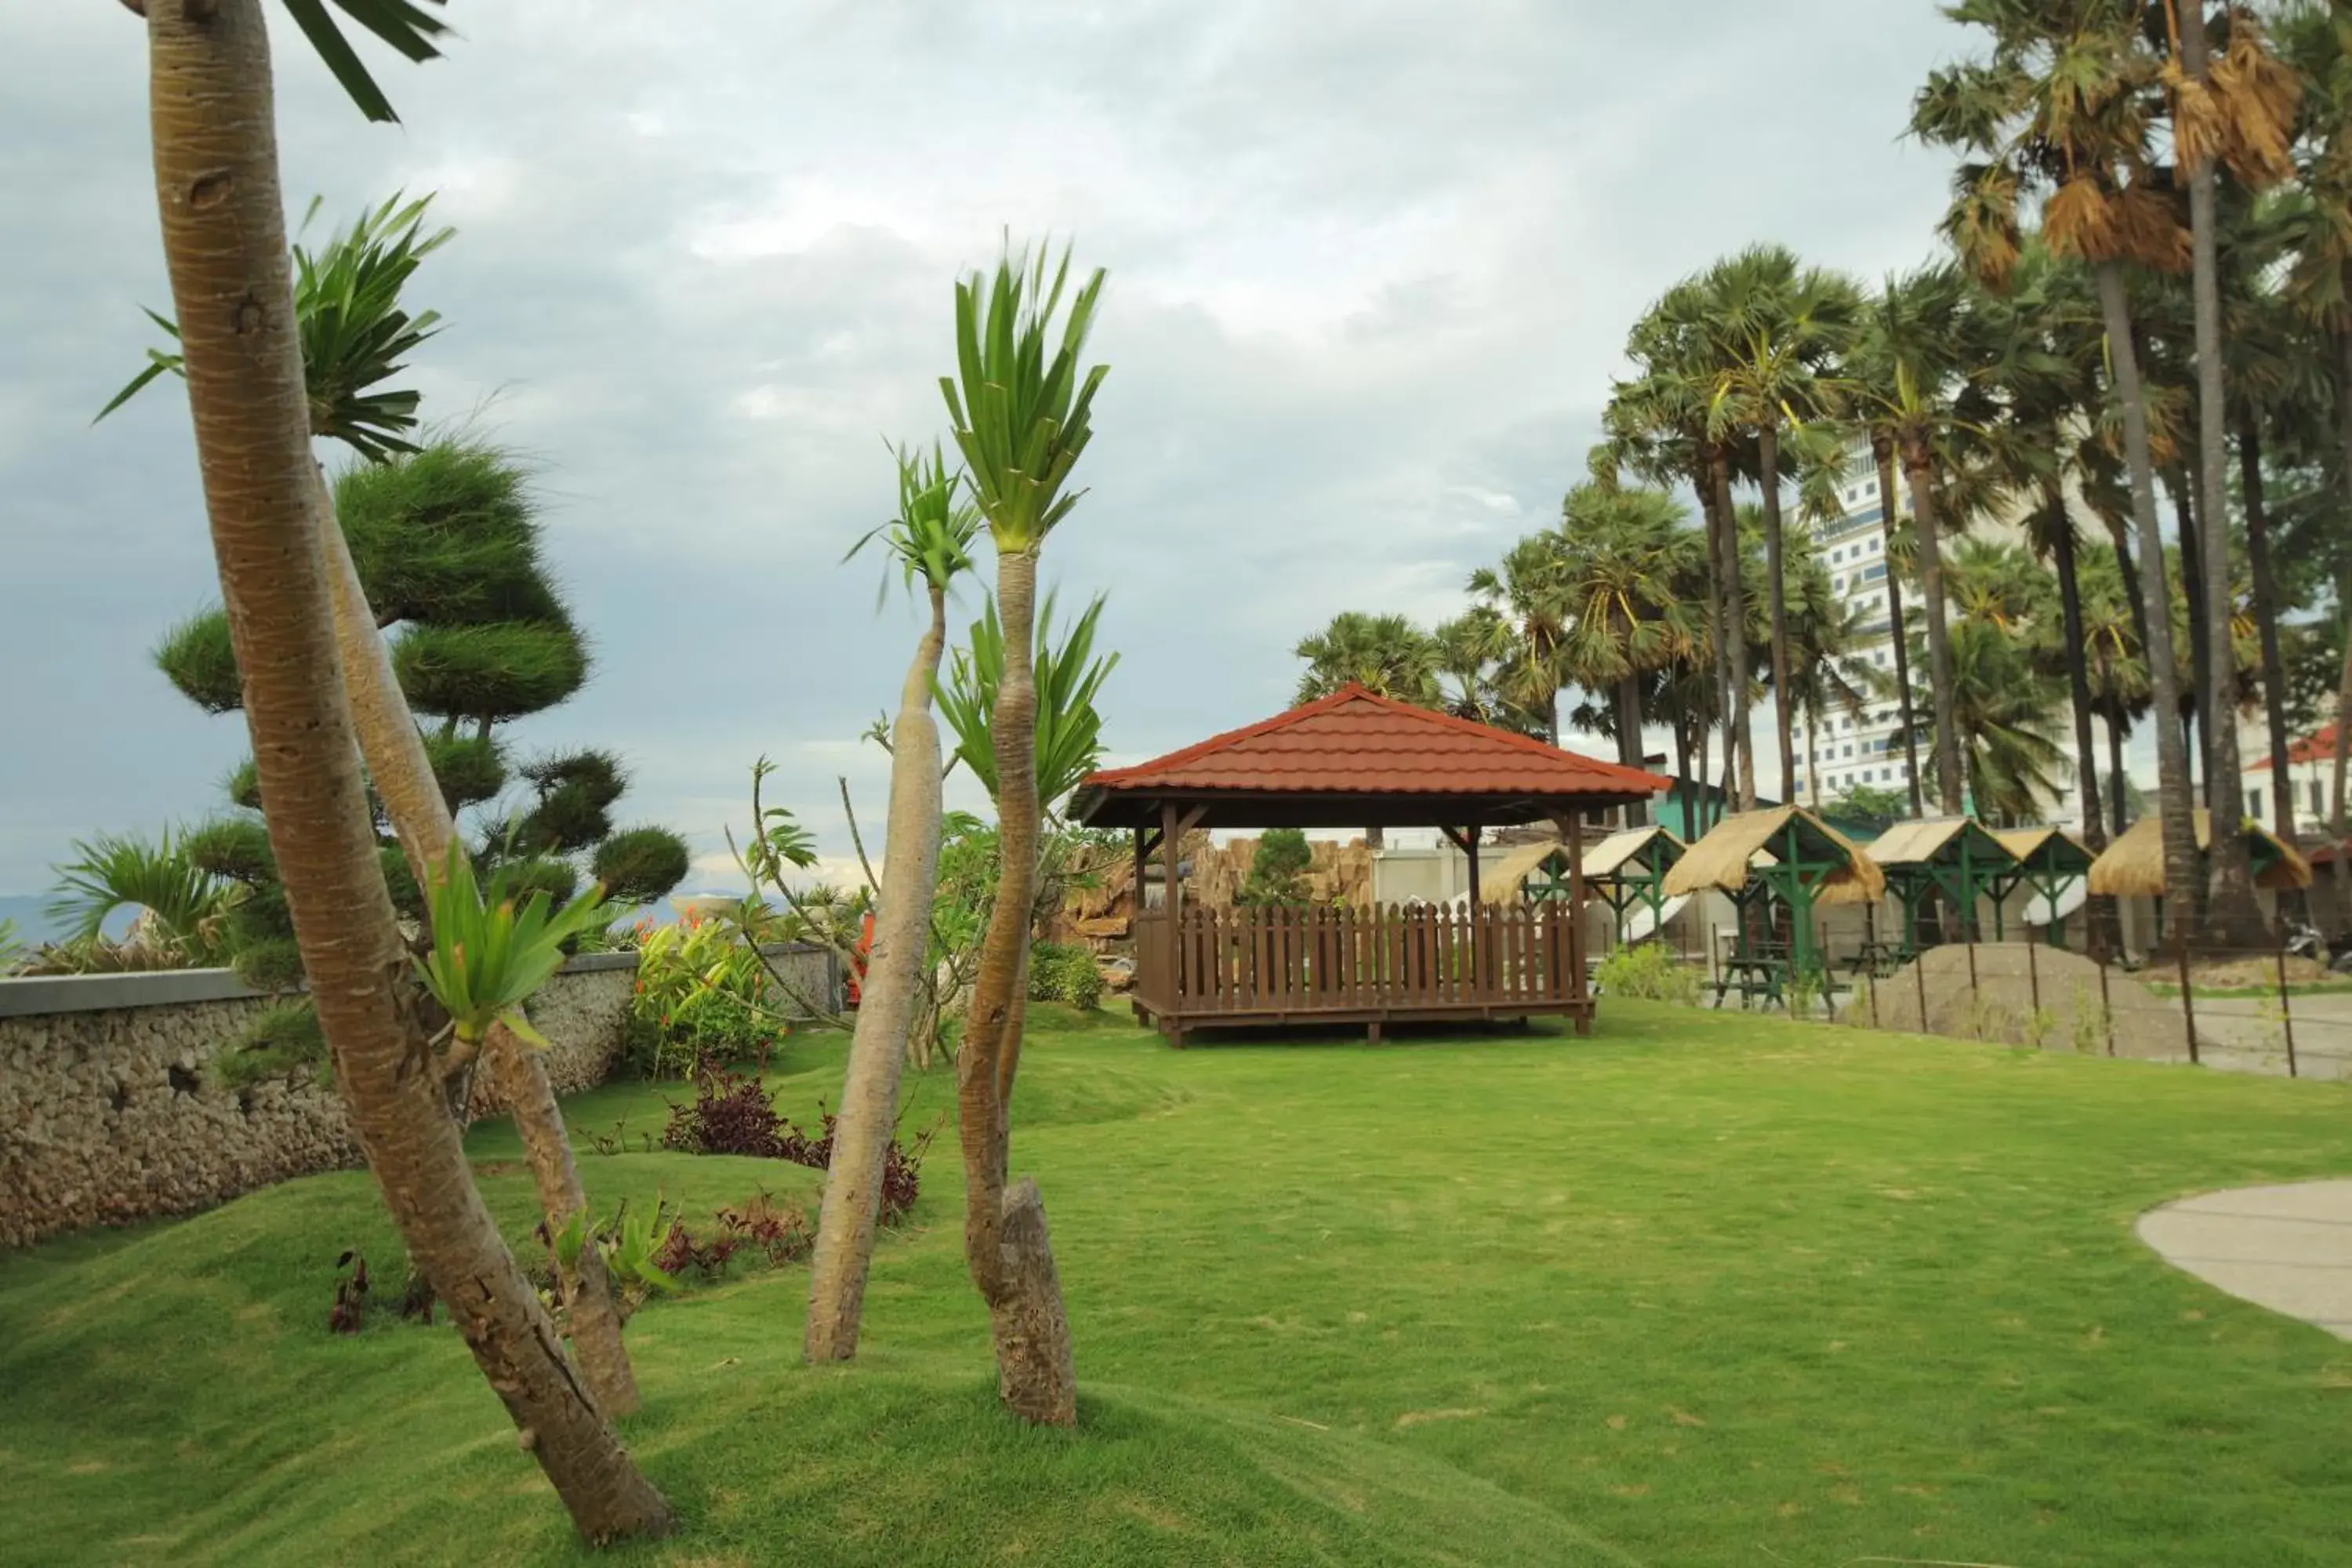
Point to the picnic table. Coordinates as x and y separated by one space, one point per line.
1880 958
1761 971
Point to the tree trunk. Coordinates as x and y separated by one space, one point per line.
2164 679
2099 914
1718 622
1884 452
225 243
2232 917
2197 705
1939 645
1629 738
1735 619
869 1095
420 819
1767 437
2265 591
1004 1238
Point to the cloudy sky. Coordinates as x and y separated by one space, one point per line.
1371 263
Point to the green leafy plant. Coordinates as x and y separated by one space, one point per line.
701 991
490 952
180 900
1649 970
1069 678
633 1246
1277 872
12 947
1065 972
283 1041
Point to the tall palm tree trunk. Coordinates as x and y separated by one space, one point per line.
421 820
2337 825
1629 737
1718 621
2266 590
1735 628
225 243
1884 452
1948 785
2197 698
2232 917
1767 437
2099 918
878 1052
2163 681
1005 1242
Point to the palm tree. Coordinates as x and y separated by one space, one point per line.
2003 694
1777 330
2242 116
1384 654
1469 652
212 117
1526 590
2316 41
1909 359
1623 556
1022 414
929 540
2063 105
1661 427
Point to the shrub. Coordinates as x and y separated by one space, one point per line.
1277 873
1065 972
284 1041
1648 969
701 995
731 1114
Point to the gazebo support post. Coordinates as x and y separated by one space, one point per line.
1583 1015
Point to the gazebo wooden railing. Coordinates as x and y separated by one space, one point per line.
1226 967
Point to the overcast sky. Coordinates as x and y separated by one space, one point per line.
1371 265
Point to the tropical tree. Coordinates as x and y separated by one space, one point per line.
2004 697
212 122
929 541
2241 115
1623 557
179 903
1777 330
1385 654
2064 106
1469 652
1021 412
1527 591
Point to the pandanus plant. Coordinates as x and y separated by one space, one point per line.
354 336
213 121
929 541
1022 413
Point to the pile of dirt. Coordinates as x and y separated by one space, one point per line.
2254 973
2001 1005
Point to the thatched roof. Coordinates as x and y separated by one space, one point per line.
1937 840
2133 865
1499 883
1727 857
1653 844
2047 849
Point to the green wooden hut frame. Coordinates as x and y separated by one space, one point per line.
1629 868
2047 859
1955 857
1784 855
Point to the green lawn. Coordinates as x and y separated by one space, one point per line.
1700 1289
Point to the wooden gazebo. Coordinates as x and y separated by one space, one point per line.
1355 759
2049 860
1954 857
1782 855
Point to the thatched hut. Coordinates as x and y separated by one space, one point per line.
1776 866
1953 858
2133 865
2051 865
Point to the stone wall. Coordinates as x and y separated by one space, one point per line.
108 1113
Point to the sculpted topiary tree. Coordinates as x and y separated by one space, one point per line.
929 541
1020 410
215 162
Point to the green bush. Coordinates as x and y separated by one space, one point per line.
1651 969
283 1041
1065 972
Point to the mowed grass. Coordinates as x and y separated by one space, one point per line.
1700 1289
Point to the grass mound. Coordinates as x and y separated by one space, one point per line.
1705 1288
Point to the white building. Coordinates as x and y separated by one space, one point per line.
1849 751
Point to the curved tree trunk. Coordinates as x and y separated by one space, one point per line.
1939 643
2174 807
1005 1238
1734 626
225 241
2197 698
1887 496
420 819
1718 621
1767 438
2336 825
2232 917
877 1053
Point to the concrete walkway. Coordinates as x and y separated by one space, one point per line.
2288 1249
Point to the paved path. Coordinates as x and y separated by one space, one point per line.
2288 1249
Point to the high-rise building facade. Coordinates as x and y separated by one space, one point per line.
1852 751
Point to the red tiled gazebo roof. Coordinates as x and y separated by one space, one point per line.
1355 759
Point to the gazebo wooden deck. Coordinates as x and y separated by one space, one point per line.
1357 760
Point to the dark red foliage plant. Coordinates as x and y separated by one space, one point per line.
731 1114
